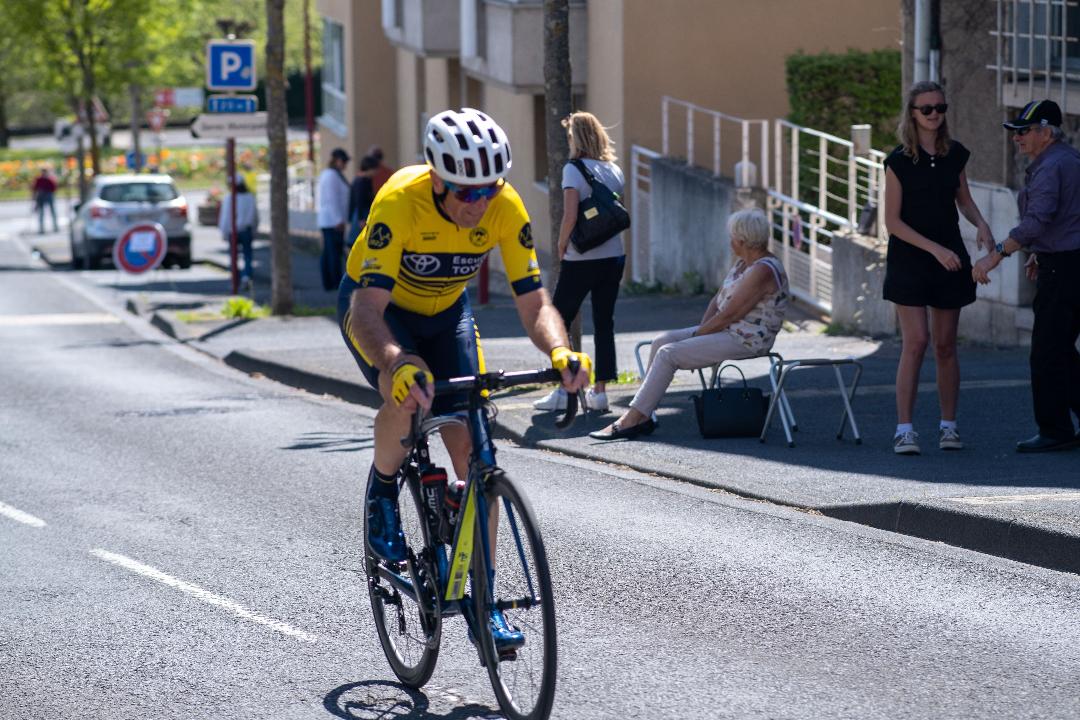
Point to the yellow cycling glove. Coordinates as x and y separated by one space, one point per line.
561 356
404 378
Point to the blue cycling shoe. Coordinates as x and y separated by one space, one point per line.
507 639
384 535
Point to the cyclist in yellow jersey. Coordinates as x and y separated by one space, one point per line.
402 305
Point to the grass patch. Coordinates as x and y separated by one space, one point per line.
197 316
243 308
626 377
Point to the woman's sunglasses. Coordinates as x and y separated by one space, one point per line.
927 109
470 194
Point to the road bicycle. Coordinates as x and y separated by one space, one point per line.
488 554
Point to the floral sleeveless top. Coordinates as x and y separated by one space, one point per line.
758 329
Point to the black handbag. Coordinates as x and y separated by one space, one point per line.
601 216
731 411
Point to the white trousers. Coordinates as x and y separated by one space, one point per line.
677 350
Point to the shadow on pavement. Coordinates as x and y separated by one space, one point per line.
332 442
377 700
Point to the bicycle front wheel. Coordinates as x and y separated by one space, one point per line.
404 597
516 581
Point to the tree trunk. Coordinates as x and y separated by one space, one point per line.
557 105
281 290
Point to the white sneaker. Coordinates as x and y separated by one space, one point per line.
906 443
555 400
949 439
597 401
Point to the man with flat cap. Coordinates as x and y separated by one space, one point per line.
1050 229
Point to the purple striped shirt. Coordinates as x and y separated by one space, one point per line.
1050 202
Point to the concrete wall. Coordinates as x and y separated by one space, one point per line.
370 81
688 216
858 278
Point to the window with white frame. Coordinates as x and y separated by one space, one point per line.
333 72
1037 45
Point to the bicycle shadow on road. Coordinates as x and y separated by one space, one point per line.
332 442
376 699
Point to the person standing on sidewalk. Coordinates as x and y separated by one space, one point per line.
598 271
333 215
927 264
1050 228
44 194
361 195
247 223
380 173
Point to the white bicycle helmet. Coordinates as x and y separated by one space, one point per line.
466 147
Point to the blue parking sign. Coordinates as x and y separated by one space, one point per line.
230 65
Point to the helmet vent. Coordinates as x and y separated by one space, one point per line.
448 163
470 168
493 136
498 163
485 164
461 141
475 130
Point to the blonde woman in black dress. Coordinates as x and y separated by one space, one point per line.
928 266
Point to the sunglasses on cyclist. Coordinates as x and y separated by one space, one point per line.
470 194
942 108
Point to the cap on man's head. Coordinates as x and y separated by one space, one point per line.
339 154
1036 112
376 152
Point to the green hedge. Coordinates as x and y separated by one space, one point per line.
833 91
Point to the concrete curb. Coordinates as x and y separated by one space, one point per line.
992 536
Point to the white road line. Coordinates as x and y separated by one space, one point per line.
58 319
201 594
20 516
1009 499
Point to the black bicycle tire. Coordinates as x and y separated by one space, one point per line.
417 675
499 486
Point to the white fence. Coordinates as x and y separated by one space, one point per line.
817 185
642 268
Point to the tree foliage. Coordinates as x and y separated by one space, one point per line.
833 91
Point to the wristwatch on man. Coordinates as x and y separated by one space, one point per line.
1000 249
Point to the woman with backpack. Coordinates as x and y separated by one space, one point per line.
596 271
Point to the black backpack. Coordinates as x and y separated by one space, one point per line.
601 216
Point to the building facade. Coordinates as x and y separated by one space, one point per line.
407 59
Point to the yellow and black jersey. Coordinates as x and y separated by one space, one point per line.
412 249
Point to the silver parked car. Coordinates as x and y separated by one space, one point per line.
118 201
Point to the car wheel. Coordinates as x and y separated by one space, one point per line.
93 261
76 258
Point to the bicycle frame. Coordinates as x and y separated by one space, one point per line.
453 568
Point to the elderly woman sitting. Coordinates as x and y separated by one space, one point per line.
741 322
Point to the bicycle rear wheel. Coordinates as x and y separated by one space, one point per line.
409 623
524 679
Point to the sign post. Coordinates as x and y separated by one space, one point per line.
230 68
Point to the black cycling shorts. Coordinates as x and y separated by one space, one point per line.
448 342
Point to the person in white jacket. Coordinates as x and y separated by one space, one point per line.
333 215
247 222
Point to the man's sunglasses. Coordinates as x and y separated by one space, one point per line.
927 109
470 194
1021 132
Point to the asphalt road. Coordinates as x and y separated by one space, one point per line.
180 540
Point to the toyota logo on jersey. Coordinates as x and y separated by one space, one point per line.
421 264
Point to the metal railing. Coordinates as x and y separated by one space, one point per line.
301 186
743 170
642 267
1035 52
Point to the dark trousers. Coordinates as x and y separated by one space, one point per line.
330 264
1055 362
578 278
244 237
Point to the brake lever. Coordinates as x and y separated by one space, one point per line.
571 399
418 417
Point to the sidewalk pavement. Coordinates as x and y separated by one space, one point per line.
986 497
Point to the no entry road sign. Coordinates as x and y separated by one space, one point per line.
140 248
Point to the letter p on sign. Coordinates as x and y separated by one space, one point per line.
230 65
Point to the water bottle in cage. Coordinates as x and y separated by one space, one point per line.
432 489
454 492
